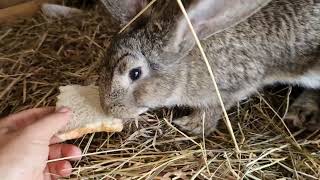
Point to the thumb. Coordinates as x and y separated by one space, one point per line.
48 126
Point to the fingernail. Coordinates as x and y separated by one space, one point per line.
63 110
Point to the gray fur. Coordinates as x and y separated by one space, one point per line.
280 43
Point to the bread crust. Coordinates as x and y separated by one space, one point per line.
87 113
91 128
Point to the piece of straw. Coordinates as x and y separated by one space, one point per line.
227 121
137 16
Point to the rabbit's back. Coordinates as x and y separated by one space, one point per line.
279 43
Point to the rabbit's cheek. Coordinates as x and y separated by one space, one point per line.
138 96
131 106
118 111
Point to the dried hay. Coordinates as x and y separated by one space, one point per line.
39 55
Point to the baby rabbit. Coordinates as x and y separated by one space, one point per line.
249 44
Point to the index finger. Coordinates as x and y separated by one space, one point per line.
48 126
24 118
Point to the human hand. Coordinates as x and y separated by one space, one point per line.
27 141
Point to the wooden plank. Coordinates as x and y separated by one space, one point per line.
8 3
23 10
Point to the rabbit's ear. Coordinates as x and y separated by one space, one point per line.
124 10
212 16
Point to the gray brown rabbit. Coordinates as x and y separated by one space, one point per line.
251 43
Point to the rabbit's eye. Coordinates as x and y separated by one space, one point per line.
135 74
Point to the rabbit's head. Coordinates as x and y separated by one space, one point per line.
143 66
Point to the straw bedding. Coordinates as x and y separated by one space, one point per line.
38 55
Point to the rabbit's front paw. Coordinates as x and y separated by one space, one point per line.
305 112
193 124
189 125
304 116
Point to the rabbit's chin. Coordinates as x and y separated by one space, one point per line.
136 114
142 110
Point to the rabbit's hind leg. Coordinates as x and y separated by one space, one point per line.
193 123
305 111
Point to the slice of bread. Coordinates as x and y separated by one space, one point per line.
88 116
